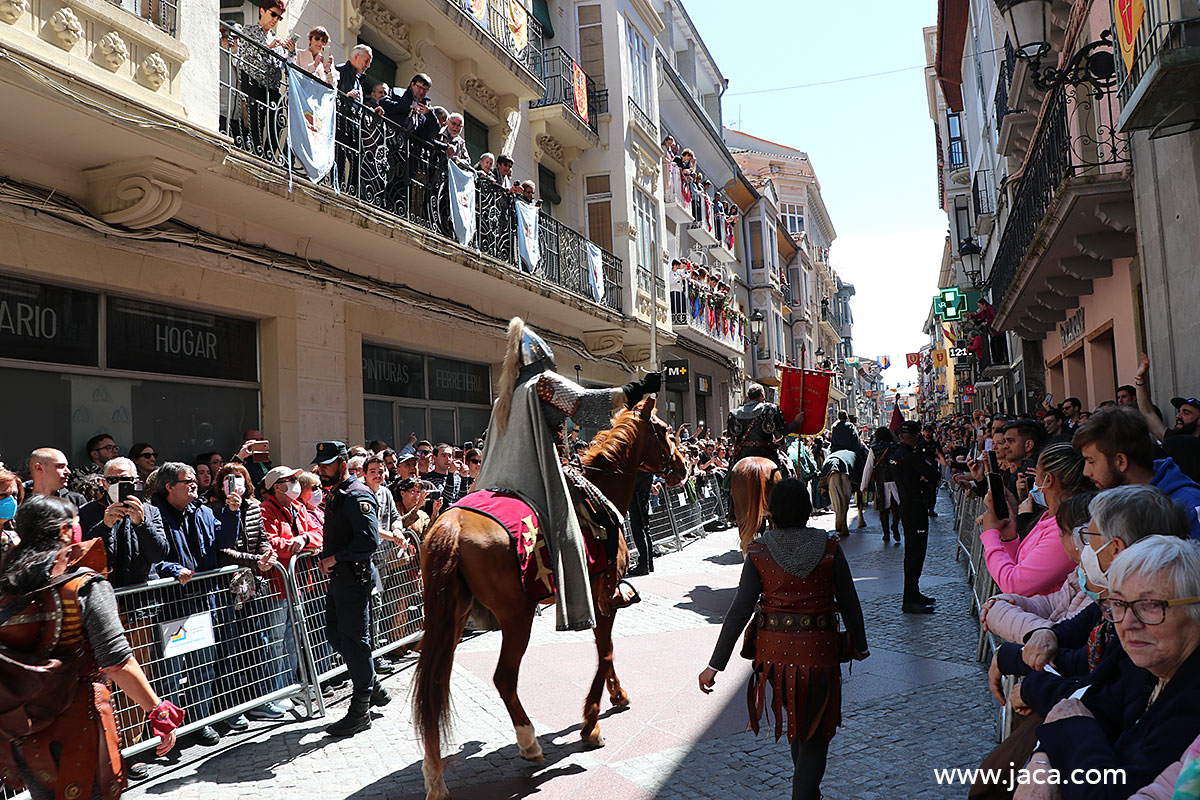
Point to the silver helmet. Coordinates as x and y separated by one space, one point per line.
534 348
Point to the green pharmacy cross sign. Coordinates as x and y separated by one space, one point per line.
951 303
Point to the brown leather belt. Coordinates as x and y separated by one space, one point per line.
781 621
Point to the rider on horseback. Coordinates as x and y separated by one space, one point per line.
758 428
526 427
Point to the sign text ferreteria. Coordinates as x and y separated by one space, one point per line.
1072 328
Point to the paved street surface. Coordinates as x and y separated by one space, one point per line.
919 702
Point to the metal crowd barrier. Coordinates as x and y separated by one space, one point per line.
675 519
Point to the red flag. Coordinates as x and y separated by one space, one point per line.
897 418
806 390
913 359
579 81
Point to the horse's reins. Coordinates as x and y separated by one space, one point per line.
664 457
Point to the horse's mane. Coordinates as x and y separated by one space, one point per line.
615 445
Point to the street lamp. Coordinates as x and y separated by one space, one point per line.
971 254
757 321
1028 23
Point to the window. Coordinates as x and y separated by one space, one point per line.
792 215
958 146
547 189
476 134
756 245
439 399
591 43
646 212
598 196
639 68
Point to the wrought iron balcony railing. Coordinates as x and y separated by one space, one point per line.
559 72
1165 25
496 18
1004 82
1078 136
642 118
643 279
697 315
983 190
378 162
163 14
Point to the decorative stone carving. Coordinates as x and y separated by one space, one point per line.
354 17
626 229
636 354
67 28
11 10
154 72
113 50
478 91
384 21
604 342
137 194
512 124
551 147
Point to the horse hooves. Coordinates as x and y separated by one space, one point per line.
534 758
621 700
595 741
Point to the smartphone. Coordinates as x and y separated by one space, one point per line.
996 490
993 462
260 451
125 491
295 37
1049 398
1028 463
230 485
325 51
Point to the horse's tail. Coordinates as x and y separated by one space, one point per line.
443 586
753 508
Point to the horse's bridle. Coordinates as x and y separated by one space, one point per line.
664 457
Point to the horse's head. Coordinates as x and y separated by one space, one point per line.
658 451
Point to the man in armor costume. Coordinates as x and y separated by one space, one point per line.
758 429
523 454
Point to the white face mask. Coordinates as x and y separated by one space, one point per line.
1090 561
292 490
316 497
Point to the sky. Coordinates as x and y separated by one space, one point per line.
871 141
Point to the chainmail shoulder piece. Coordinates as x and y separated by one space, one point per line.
796 550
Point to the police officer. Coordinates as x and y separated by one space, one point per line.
351 537
929 447
912 474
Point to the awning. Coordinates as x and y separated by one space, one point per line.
541 12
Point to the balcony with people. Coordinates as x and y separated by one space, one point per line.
404 160
704 309
691 199
572 105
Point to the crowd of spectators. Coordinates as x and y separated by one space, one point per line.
1098 570
693 186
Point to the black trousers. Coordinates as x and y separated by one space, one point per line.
914 518
808 767
639 523
348 620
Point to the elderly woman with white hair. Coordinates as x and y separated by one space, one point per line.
1140 709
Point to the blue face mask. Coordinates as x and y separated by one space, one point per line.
1036 495
1083 584
8 507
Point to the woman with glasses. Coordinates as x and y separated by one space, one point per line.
314 61
144 458
474 459
1037 564
1139 710
260 56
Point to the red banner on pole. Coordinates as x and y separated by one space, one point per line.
913 359
808 391
580 82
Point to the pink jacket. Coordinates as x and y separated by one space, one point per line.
1012 616
1036 564
1163 787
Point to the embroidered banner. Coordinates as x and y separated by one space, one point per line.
518 23
596 271
527 235
580 81
311 109
1130 14
462 206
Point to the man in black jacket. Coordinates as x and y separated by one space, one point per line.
412 112
350 111
912 473
132 531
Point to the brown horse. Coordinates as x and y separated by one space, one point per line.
468 559
749 490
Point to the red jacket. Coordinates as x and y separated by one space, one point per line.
284 524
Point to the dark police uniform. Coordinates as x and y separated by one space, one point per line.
351 536
929 451
912 474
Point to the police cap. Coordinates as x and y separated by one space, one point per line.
910 426
328 452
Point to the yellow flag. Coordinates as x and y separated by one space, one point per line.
1130 14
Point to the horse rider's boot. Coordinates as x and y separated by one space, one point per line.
357 719
883 520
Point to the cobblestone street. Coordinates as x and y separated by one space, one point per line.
919 702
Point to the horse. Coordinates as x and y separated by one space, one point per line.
749 489
837 484
468 559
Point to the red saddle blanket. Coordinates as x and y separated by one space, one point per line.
533 558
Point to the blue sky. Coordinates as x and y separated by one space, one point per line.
871 141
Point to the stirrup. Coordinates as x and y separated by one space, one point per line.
622 600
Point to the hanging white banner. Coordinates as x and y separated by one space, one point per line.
596 271
311 115
527 234
462 202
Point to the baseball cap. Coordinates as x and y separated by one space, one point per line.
910 426
277 474
1185 401
406 457
328 452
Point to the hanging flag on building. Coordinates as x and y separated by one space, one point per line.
518 23
913 359
478 10
311 109
1130 14
939 358
462 202
580 82
596 271
885 362
527 235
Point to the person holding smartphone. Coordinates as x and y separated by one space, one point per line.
132 531
259 62
316 59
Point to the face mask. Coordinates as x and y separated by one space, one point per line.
292 490
8 507
1083 584
316 497
1036 495
76 532
1089 559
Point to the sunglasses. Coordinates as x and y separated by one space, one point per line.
108 448
424 452
475 461
275 14
147 454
